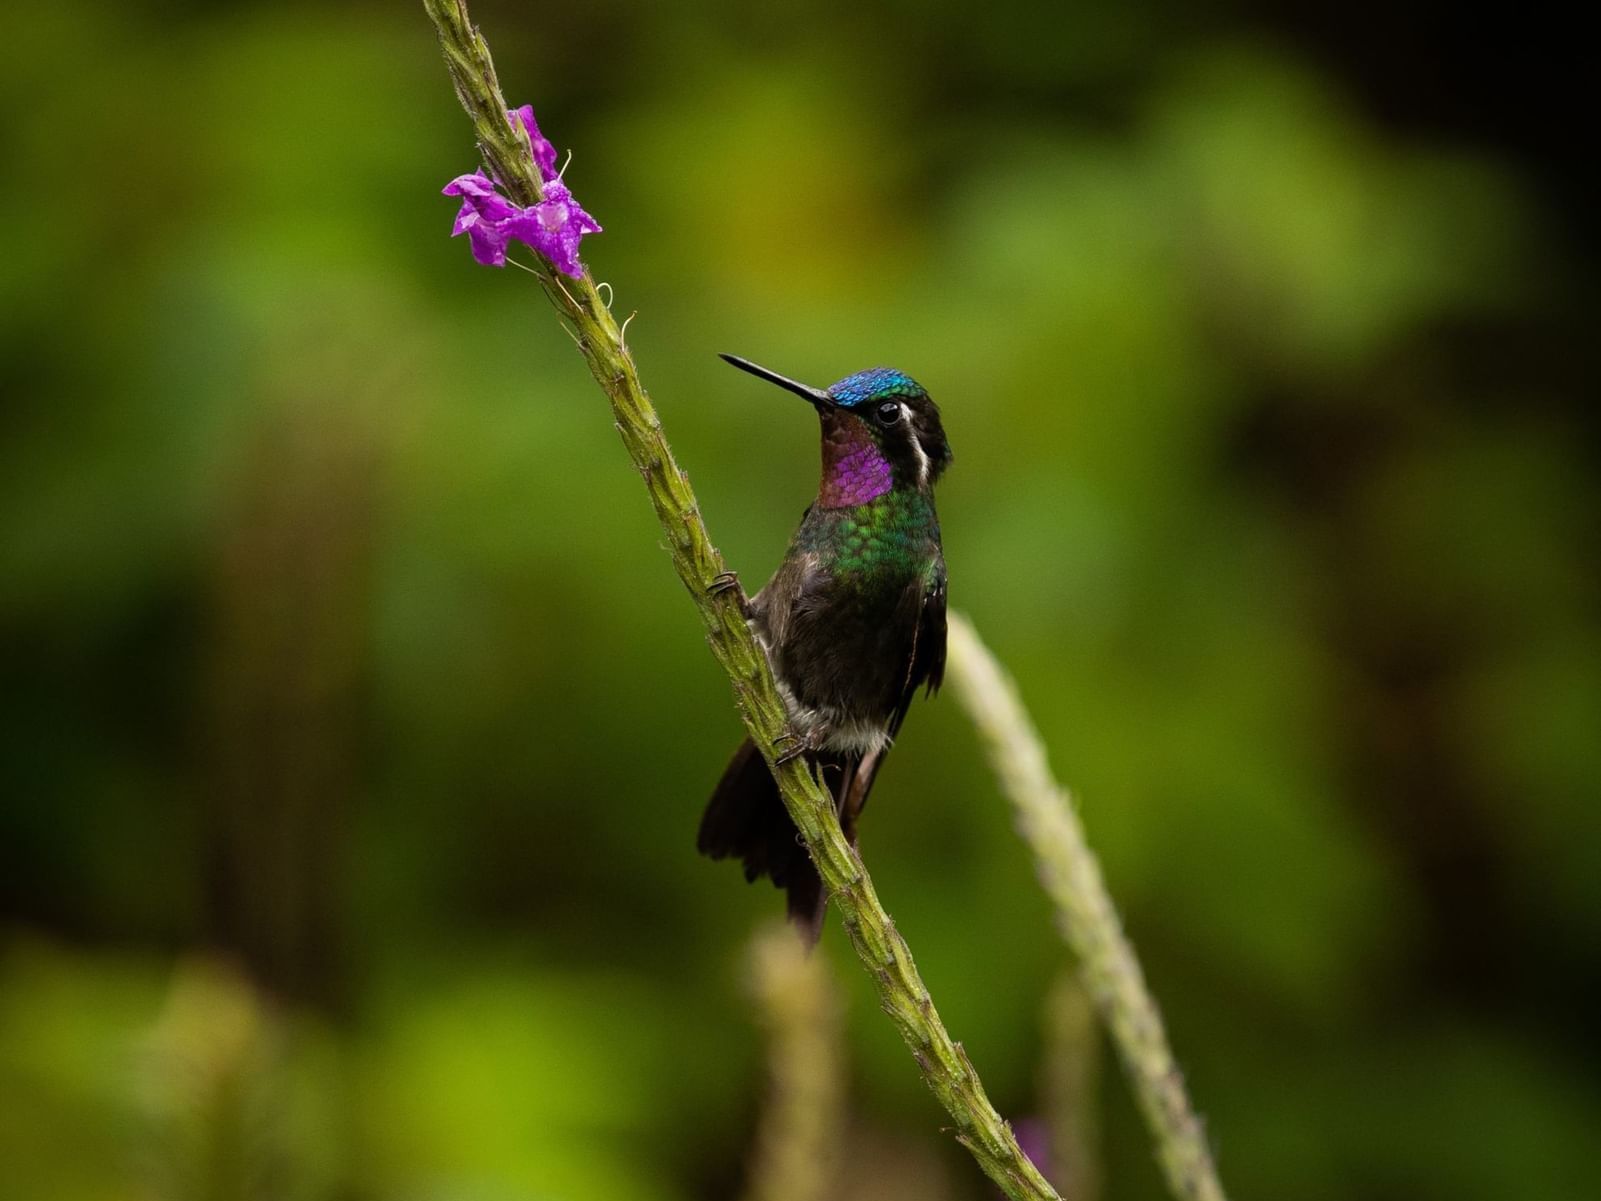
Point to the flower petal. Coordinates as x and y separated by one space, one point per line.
554 227
488 243
466 218
544 152
478 192
476 184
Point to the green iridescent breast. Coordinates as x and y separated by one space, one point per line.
884 543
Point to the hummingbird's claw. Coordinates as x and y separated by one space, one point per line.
794 747
728 581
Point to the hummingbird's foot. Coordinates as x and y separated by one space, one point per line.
795 745
728 581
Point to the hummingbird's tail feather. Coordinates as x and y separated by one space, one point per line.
746 819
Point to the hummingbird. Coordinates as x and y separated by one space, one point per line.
853 623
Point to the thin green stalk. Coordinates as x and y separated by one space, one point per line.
796 1153
1072 1074
944 1064
1084 909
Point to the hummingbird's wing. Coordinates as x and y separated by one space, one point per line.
925 666
928 644
773 607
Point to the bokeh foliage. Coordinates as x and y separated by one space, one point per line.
334 636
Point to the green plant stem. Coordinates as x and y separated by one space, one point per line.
944 1064
796 1153
1071 1082
1084 910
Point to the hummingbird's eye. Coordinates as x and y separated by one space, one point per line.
888 413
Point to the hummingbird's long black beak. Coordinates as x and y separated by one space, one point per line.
816 395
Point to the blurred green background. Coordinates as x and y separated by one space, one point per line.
340 657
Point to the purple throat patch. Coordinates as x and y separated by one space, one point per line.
855 471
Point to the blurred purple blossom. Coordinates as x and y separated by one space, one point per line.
1034 1137
553 227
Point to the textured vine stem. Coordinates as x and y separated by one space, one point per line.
1089 922
944 1064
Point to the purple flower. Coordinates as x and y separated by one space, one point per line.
482 217
553 227
544 152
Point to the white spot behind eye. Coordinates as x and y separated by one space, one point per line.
917 448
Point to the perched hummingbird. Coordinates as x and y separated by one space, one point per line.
853 622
